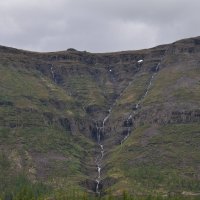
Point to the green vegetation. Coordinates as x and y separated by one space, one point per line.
33 192
180 86
37 139
159 159
48 125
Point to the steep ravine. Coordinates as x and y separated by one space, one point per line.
71 112
99 158
101 126
129 123
100 131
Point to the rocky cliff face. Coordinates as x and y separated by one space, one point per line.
64 110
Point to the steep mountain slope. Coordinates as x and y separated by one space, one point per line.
101 122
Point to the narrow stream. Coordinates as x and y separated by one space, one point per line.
52 73
99 158
129 123
98 161
100 129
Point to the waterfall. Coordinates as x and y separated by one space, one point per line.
53 74
100 130
102 151
129 123
142 98
136 107
97 187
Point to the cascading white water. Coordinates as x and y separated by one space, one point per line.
137 105
97 186
142 98
100 130
128 128
52 72
130 118
102 151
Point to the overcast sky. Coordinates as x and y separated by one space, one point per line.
96 25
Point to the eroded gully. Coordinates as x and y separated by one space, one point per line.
129 123
100 131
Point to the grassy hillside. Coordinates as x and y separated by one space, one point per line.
161 156
50 104
38 142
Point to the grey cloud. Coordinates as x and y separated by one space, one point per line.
96 25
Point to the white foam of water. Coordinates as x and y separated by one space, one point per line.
52 72
97 186
98 160
146 92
